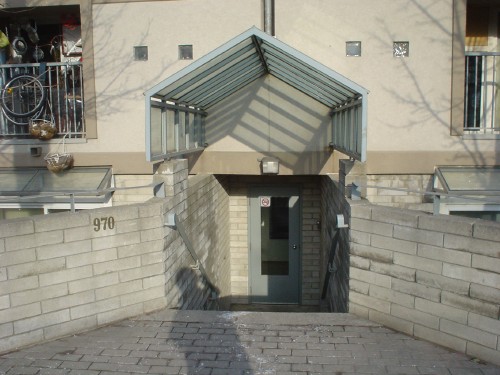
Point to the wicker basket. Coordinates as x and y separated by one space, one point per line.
59 161
42 129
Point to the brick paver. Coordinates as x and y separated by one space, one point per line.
206 342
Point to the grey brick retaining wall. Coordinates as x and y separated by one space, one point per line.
434 277
69 272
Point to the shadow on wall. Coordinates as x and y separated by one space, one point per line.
271 117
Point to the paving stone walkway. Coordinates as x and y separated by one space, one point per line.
203 342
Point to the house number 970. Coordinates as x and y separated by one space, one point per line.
104 223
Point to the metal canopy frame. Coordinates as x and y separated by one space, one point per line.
249 56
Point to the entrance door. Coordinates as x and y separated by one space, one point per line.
274 245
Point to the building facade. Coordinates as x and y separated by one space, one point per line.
270 95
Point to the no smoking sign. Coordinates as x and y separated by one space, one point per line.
265 201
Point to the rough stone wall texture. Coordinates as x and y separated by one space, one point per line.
311 217
403 191
70 272
434 277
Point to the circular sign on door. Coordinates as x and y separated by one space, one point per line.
265 201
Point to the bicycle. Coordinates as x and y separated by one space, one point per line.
23 99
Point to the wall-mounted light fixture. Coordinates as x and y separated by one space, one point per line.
353 48
270 165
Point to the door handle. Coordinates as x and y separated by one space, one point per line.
294 247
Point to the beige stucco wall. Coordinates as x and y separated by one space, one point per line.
409 105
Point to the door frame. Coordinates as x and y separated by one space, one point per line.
255 191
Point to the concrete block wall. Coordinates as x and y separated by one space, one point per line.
433 277
65 273
400 191
70 272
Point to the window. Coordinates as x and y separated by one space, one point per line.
186 52
401 49
141 53
353 48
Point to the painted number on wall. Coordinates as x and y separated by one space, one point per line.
104 223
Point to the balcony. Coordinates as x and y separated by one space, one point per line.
481 93
51 92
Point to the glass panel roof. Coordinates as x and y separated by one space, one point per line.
469 180
28 181
246 58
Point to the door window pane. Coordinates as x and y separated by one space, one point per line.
274 237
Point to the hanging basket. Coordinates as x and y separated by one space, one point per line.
59 161
42 129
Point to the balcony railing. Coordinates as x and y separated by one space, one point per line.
481 93
62 99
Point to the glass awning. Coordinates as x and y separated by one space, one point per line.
468 180
244 59
87 184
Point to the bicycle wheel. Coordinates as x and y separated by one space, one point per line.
23 96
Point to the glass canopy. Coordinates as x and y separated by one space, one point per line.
86 184
242 60
468 180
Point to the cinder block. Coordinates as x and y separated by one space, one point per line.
117 265
10 258
33 240
149 235
472 275
472 245
484 323
92 309
36 268
358 262
68 328
16 285
417 290
487 230
19 341
6 330
372 253
41 321
142 296
445 255
487 354
440 338
17 227
119 314
67 301
359 286
398 272
485 293
21 312
63 249
392 296
38 295
141 272
442 282
442 311
90 258
361 210
395 216
415 316
60 221
123 239
393 244
469 333
368 226
64 276
418 235
358 310
361 238
472 305
118 289
446 224
370 302
370 277
485 263
96 282
418 263
398 324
